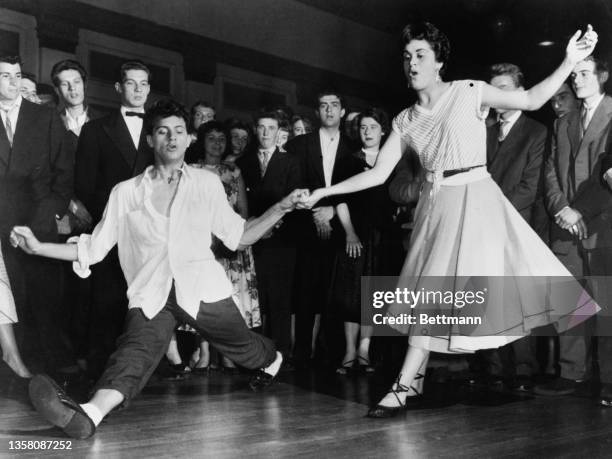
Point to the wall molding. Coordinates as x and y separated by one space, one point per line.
200 54
25 26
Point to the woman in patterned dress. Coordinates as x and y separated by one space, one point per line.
239 266
8 316
464 226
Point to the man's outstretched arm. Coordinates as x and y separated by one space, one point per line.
255 228
23 237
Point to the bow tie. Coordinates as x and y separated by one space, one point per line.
138 114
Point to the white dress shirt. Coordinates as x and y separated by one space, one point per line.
76 124
329 148
13 113
134 123
154 249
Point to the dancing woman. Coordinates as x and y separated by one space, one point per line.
464 226
8 316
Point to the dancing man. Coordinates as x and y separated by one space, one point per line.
162 222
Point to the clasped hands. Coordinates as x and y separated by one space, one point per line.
294 199
571 220
302 199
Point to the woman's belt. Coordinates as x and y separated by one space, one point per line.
451 172
456 176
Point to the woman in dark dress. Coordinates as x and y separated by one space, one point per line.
367 220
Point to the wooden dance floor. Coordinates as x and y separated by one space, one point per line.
317 414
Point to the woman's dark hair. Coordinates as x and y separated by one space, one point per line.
432 35
235 123
379 115
206 129
305 120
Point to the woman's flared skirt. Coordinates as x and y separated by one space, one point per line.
469 238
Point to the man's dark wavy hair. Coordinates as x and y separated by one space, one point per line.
164 108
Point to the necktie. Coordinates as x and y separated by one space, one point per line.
265 158
584 119
138 114
8 125
503 129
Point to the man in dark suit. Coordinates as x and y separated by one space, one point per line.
515 153
318 153
562 102
36 178
581 205
69 79
70 83
605 330
110 150
269 174
515 146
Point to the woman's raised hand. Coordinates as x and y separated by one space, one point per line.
579 46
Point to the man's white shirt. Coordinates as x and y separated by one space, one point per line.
329 148
155 250
134 123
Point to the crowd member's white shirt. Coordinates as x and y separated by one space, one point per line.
75 124
134 123
329 148
154 249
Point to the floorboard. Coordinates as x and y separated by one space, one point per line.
317 414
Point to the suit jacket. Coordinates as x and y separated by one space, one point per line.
406 180
281 178
606 162
106 156
72 139
574 177
307 148
516 163
36 173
